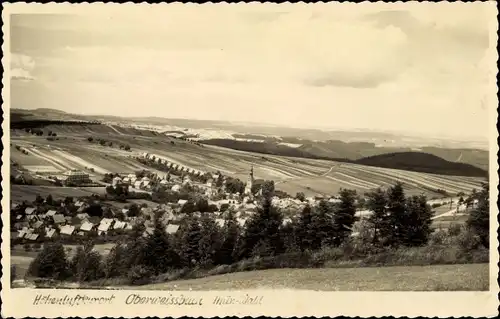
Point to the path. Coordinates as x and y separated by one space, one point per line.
114 129
450 212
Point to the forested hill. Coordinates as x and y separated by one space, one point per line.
422 162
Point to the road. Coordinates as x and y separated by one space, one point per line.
451 212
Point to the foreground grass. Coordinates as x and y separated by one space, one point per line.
470 277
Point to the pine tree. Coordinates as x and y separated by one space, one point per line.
210 242
231 233
159 255
189 242
479 218
322 225
417 223
397 210
262 229
344 216
87 263
305 233
115 263
377 204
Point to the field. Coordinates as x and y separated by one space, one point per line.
18 193
22 259
400 278
413 278
73 151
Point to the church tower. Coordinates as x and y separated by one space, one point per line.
248 187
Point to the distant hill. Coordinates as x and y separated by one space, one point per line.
422 162
352 153
310 143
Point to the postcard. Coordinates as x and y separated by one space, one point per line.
262 159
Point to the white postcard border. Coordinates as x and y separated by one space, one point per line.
274 303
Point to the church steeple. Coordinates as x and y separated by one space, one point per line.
248 187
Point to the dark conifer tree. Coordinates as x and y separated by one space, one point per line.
479 218
397 214
231 233
210 241
305 234
417 223
377 204
159 255
344 216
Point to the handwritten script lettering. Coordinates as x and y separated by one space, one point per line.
245 300
68 300
171 300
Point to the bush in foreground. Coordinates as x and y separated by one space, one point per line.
51 262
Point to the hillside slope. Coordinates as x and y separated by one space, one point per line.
421 162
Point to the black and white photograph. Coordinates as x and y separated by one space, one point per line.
230 147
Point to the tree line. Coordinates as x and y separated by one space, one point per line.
202 243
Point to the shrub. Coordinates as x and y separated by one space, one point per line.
469 241
37 246
50 263
438 237
139 275
455 229
27 247
87 264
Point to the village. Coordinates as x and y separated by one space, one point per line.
135 201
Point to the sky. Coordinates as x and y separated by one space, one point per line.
421 68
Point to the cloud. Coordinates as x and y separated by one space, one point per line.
353 80
21 67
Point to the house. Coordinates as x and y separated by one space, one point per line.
119 225
37 224
59 219
172 229
21 225
32 237
30 210
50 232
116 181
104 226
182 202
125 211
50 213
137 184
79 203
32 217
82 208
87 226
23 232
67 230
106 221
19 217
77 177
82 216
176 188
